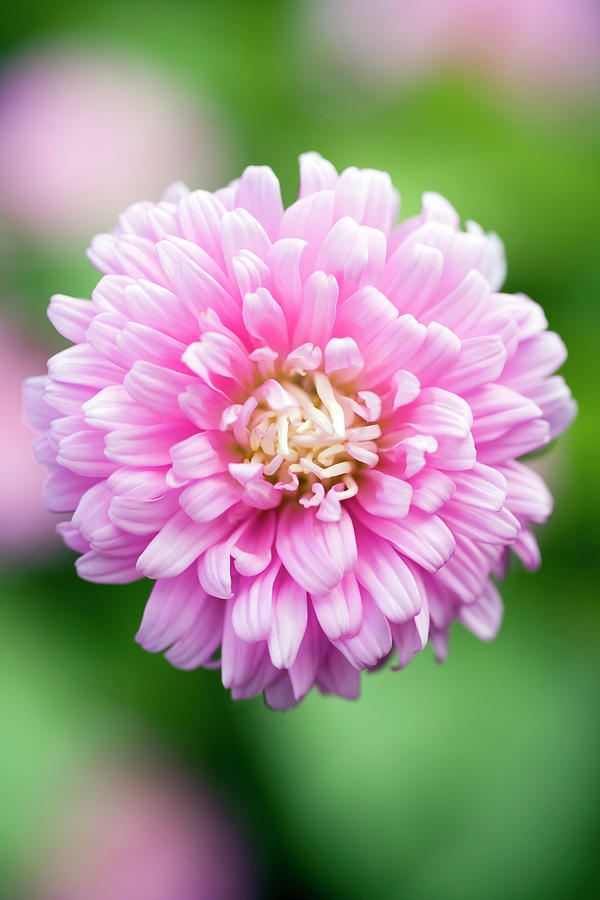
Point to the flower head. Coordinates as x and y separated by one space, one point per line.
303 423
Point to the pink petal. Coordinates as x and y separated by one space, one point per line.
340 612
373 640
258 192
83 453
411 278
316 174
172 607
156 387
343 358
528 495
316 554
103 569
290 617
337 676
82 365
197 647
200 215
423 538
196 458
387 578
208 498
242 664
436 355
481 360
411 637
431 489
318 310
252 614
252 550
484 616
354 254
178 544
145 445
264 319
438 412
384 495
70 316
241 231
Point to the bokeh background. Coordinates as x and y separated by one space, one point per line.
122 778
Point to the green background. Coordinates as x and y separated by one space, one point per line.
478 778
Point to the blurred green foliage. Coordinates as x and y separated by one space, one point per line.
475 779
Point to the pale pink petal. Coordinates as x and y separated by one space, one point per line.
373 640
387 578
337 676
196 457
104 569
258 191
70 316
318 310
384 495
411 637
528 496
290 617
178 544
264 319
314 553
484 616
316 174
431 489
339 612
208 498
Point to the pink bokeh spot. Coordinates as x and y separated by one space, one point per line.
85 132
303 424
545 46
137 832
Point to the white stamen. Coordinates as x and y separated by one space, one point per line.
325 392
319 435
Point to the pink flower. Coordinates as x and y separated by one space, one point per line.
85 132
304 424
25 528
548 45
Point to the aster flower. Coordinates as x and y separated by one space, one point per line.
304 424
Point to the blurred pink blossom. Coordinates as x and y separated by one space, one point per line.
83 134
143 832
24 524
548 45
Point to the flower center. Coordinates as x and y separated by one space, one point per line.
308 434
